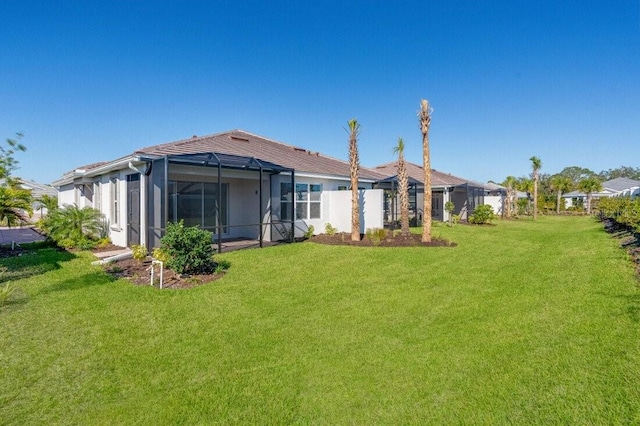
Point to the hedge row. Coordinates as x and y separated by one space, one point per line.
622 210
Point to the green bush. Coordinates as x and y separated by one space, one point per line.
309 232
329 230
74 227
482 214
189 249
160 254
139 252
6 292
376 235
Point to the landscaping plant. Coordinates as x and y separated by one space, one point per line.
189 248
482 215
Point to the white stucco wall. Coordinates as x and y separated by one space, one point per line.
495 201
338 206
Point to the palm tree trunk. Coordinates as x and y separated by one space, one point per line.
558 202
354 164
425 123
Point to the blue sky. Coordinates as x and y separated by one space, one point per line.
88 81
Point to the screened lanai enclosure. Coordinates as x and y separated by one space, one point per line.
230 196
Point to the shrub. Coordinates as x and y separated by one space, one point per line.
189 248
160 254
309 232
482 214
329 230
376 235
449 207
139 252
72 226
6 292
455 218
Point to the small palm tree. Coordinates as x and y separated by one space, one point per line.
15 204
74 225
354 165
589 186
536 164
424 116
403 188
560 184
49 202
526 185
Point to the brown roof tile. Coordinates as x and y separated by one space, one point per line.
416 172
241 143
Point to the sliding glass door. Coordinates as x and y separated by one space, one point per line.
197 204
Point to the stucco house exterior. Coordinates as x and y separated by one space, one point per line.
618 187
465 194
235 184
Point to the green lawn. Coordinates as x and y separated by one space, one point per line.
521 323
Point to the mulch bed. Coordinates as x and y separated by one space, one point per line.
413 240
139 273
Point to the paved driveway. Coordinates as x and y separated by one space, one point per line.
19 235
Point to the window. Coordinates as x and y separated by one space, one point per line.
308 201
197 204
97 200
115 217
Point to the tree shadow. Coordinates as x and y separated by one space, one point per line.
89 279
28 263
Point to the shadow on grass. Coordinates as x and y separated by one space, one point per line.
90 279
32 262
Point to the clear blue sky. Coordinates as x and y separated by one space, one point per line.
93 80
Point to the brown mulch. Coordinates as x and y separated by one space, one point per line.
414 240
139 273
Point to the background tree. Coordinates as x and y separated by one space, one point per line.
49 202
536 164
589 186
403 188
576 174
425 122
560 184
354 165
621 172
7 161
15 201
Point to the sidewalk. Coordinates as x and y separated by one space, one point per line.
19 235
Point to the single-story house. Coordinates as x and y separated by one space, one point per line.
465 194
234 184
618 187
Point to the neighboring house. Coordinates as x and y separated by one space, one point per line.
618 187
465 194
235 184
37 191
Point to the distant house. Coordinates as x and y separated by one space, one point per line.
235 184
37 191
618 187
465 194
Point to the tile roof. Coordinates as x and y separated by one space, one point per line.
241 143
620 184
416 172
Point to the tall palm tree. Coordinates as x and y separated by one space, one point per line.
354 165
510 183
536 164
560 184
589 186
403 188
424 116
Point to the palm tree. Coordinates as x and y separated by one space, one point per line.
536 164
354 165
15 204
560 184
403 188
425 122
526 185
510 183
74 224
589 186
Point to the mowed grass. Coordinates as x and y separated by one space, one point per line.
521 323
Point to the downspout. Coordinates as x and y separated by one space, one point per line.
260 206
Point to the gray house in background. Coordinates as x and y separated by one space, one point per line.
465 194
618 187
